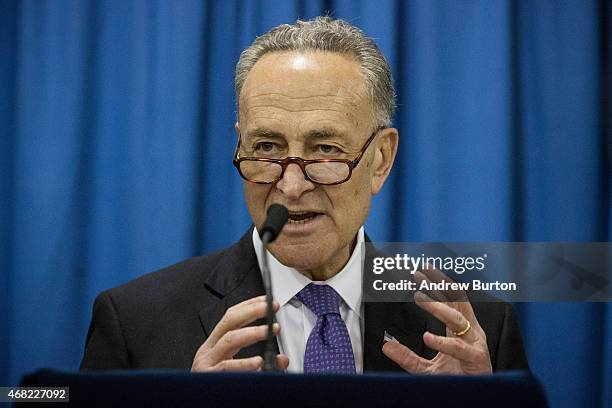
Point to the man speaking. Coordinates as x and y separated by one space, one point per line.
315 102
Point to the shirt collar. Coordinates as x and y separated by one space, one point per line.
287 282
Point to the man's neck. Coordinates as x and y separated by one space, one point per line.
332 268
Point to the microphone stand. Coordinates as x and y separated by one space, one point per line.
270 363
276 219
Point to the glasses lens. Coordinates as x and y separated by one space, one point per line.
260 171
328 172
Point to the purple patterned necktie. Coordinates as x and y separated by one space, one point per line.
328 349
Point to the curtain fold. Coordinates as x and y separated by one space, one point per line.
117 132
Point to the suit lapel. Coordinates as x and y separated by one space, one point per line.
235 279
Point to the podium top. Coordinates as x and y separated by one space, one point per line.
179 388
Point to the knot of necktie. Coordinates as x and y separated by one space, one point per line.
320 299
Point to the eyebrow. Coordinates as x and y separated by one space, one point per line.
263 132
322 133
325 133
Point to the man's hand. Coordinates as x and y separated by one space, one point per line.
229 336
464 354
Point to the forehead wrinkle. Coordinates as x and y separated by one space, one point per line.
267 112
284 108
283 95
297 103
316 89
341 104
349 96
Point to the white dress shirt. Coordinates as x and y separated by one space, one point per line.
297 321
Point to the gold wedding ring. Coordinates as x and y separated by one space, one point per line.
464 331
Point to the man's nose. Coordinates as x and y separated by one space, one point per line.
294 183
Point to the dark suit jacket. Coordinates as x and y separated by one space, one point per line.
159 320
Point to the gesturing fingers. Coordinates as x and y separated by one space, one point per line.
451 317
240 364
229 336
475 360
233 341
239 316
450 345
406 358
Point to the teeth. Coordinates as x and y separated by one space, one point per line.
304 221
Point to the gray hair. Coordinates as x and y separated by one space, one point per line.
330 35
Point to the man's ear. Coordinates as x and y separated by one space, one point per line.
384 155
237 128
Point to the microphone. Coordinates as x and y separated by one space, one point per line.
275 221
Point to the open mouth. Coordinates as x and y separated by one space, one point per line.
302 217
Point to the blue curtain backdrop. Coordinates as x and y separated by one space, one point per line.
116 137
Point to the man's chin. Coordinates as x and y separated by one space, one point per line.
303 256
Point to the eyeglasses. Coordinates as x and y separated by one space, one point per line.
319 171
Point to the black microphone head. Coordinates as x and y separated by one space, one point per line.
275 221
